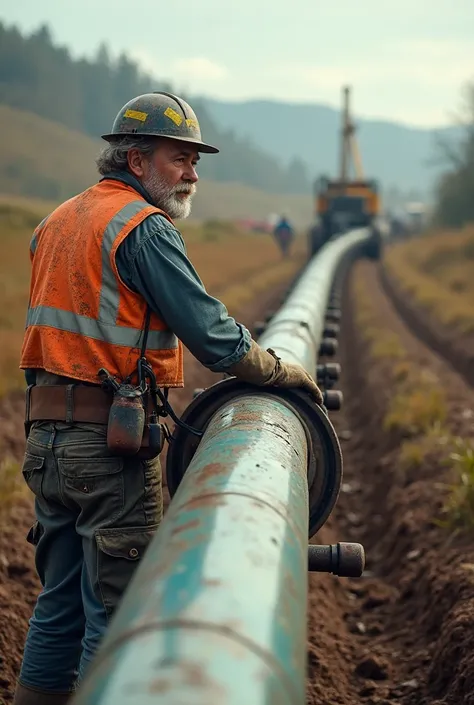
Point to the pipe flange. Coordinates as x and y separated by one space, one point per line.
324 456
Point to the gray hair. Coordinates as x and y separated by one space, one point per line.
114 156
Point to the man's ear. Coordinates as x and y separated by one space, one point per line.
136 162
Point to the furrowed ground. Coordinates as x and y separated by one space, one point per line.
404 633
431 281
239 268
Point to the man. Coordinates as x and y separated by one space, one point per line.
110 281
284 234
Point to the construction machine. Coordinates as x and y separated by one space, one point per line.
347 202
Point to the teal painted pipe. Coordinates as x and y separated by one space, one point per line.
216 612
295 331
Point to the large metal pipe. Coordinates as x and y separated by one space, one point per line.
216 612
296 331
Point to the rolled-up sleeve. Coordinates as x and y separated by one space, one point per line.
152 260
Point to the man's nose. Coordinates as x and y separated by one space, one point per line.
190 174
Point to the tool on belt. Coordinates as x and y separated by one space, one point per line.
130 411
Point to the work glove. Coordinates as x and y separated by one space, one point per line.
264 368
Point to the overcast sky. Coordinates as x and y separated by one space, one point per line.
406 62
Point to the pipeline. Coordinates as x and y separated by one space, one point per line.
216 611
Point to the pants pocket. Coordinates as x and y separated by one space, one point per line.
119 551
96 485
33 470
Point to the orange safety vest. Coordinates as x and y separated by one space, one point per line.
81 315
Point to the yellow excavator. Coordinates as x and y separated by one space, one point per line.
347 202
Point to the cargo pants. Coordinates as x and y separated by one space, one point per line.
96 515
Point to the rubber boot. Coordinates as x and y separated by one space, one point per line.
30 696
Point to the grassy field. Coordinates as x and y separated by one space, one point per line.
437 271
43 159
417 411
235 266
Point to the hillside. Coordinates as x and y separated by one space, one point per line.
42 158
269 145
46 160
41 77
399 155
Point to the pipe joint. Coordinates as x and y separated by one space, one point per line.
324 461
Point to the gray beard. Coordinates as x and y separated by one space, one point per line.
166 198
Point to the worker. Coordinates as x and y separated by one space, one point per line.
113 299
284 234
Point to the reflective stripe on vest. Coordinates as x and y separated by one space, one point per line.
90 327
104 328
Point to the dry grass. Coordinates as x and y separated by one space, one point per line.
417 410
417 403
437 271
16 226
417 407
12 485
458 509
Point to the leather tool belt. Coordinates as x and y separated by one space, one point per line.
72 403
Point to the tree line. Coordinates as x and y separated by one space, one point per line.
454 202
38 76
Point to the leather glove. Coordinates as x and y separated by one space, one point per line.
264 368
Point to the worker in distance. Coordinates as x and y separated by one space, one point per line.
113 299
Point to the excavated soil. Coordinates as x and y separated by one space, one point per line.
404 632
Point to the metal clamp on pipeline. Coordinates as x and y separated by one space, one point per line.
324 468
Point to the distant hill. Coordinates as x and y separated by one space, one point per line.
271 146
42 159
41 77
398 155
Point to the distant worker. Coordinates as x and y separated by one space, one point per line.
284 235
113 299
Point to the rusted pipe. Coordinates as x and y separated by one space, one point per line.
216 612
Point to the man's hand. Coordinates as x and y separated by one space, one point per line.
265 368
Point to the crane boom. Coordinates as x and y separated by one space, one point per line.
347 201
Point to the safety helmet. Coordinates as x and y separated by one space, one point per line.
159 114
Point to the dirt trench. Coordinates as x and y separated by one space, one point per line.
403 633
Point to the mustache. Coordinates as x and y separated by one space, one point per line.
185 188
